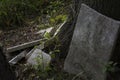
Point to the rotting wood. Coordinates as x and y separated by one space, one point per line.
57 31
18 57
26 45
33 43
42 32
24 54
45 44
29 53
23 46
50 44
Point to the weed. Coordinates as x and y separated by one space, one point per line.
110 67
15 13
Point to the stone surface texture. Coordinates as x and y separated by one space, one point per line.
92 44
39 57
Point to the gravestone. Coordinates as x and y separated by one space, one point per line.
92 44
39 57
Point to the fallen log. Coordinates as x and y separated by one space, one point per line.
24 54
42 32
57 31
33 43
18 57
23 46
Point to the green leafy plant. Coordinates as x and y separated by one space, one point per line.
58 19
47 35
110 67
16 13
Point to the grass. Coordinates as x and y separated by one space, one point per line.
18 13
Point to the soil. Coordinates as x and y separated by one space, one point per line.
19 36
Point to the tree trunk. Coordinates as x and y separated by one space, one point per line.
5 72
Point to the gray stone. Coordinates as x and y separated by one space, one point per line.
92 44
44 58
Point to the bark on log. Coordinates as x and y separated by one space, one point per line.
23 46
5 71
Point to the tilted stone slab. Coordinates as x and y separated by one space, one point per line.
92 44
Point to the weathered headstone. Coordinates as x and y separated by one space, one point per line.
92 44
39 57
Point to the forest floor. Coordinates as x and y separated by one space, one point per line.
14 37
53 72
19 36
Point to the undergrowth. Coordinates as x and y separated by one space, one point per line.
17 13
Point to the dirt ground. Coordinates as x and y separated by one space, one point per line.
19 36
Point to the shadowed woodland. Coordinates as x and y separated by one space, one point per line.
38 37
